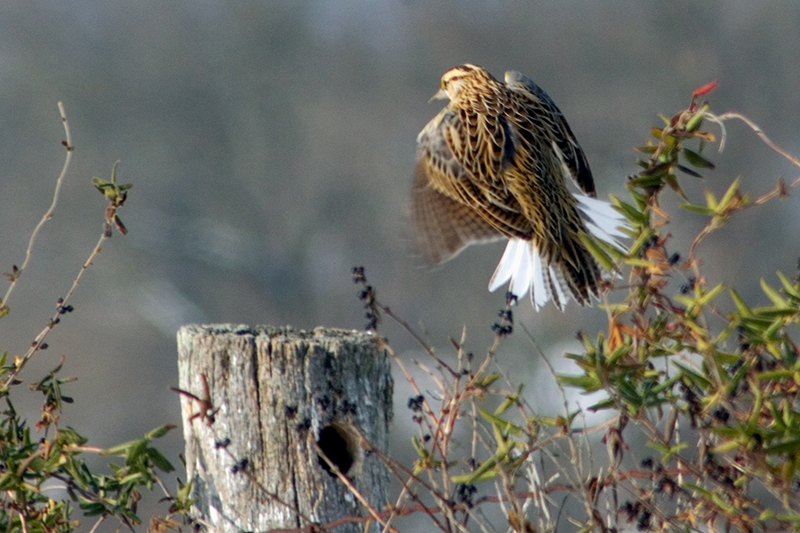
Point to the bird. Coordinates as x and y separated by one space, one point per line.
493 164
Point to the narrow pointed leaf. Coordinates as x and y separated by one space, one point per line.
772 294
696 159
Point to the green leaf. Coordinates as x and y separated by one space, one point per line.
650 149
699 380
790 288
183 494
689 171
135 451
771 333
740 305
9 480
629 394
417 443
616 355
119 449
132 479
510 401
710 295
785 373
696 160
792 517
757 324
716 498
487 380
504 425
587 383
483 472
767 514
703 493
772 294
90 507
645 181
591 244
657 446
69 437
640 199
697 208
159 431
737 378
730 194
771 313
472 479
635 216
608 403
159 461
640 242
695 122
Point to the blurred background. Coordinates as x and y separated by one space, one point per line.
271 146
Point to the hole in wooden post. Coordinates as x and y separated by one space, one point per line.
339 446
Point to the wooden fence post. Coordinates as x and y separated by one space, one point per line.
272 394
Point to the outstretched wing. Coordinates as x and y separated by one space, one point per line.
444 226
451 206
548 121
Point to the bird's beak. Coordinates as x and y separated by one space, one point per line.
440 95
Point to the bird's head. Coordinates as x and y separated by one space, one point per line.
458 78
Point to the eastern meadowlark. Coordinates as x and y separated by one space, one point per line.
493 164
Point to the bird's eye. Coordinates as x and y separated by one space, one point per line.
444 83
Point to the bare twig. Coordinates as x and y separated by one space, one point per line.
47 215
99 521
61 307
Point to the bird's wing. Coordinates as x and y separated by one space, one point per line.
451 206
545 120
443 225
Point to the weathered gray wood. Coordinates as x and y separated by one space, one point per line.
279 390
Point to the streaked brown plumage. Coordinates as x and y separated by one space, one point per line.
493 164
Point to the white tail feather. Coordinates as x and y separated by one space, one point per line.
600 233
524 269
522 279
601 207
602 220
517 266
507 266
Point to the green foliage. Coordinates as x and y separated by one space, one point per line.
116 194
36 461
710 382
30 462
732 377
